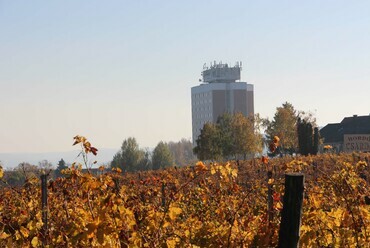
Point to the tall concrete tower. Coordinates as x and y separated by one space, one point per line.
220 91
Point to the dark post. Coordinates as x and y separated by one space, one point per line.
292 211
315 171
269 198
163 195
44 207
316 141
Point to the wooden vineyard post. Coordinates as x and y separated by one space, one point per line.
269 198
163 195
44 207
315 171
292 211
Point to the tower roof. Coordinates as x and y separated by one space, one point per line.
221 73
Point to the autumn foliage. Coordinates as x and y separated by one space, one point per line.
205 205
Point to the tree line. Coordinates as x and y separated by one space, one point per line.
129 158
235 136
132 158
26 171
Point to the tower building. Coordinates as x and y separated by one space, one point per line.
220 91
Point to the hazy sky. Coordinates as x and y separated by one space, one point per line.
113 69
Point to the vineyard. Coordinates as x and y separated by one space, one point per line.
204 205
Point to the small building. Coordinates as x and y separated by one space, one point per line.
351 134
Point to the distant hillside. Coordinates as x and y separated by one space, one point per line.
11 160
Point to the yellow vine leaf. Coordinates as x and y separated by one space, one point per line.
166 224
174 212
200 167
279 206
35 242
136 241
361 164
234 173
316 202
228 167
24 231
171 243
224 172
1 172
4 235
213 170
17 235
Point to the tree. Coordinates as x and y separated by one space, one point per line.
145 163
233 136
284 125
22 173
130 157
208 143
117 160
224 124
15 178
45 165
308 137
182 152
162 157
61 166
131 154
247 138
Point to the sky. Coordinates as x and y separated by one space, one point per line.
110 70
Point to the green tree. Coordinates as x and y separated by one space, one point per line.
283 125
239 135
130 158
23 172
15 178
117 160
28 170
61 166
224 125
208 143
162 156
233 136
308 136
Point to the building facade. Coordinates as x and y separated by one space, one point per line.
351 134
220 92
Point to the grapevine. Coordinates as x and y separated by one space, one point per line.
204 205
